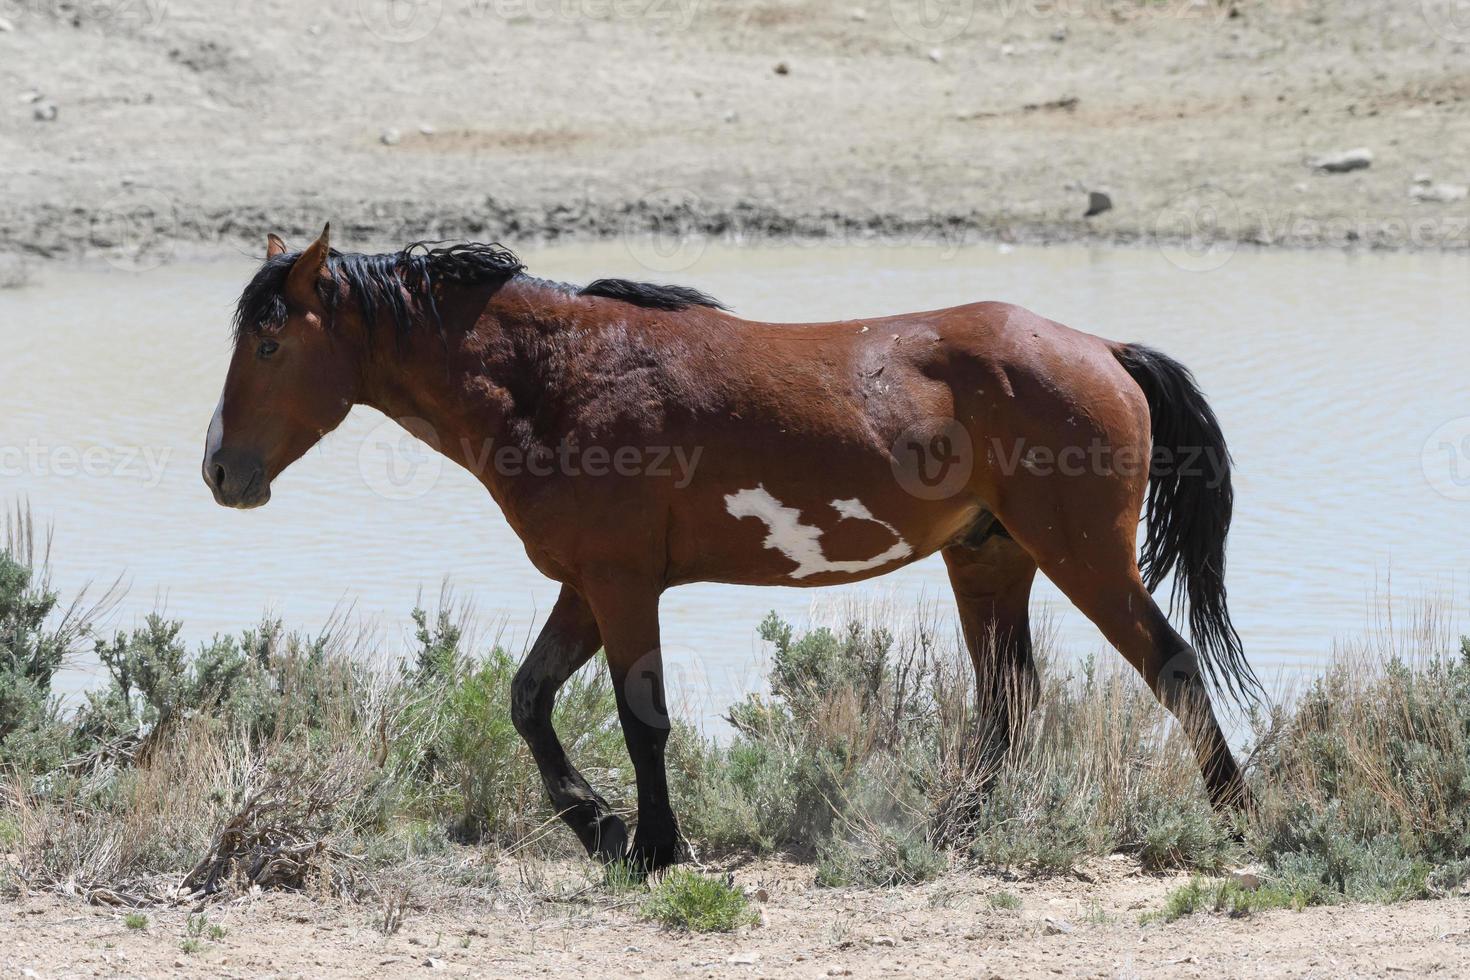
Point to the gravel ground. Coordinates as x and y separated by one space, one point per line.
1083 926
149 129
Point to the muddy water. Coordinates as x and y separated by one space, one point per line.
1343 383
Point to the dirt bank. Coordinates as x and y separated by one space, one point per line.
540 923
145 128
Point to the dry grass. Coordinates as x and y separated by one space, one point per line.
275 760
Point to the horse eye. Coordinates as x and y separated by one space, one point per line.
267 348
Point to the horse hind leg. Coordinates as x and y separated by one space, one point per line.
991 577
1089 556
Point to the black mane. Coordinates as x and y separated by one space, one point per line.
400 285
650 294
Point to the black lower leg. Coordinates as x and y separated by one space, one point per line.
567 641
1181 689
645 719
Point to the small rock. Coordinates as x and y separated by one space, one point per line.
859 14
31 95
936 55
44 112
782 68
839 971
29 974
179 963
743 959
883 941
1097 203
434 964
1439 193
1344 162
1057 927
732 116
1060 34
1300 188
427 130
1007 50
6 26
390 137
761 895
1423 178
1247 879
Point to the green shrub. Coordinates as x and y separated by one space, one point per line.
879 857
1182 834
698 903
462 749
37 634
1229 898
1364 787
876 727
845 735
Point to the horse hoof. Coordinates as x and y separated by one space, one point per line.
649 857
612 839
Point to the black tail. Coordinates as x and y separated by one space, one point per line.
1188 513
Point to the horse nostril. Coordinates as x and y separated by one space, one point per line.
219 476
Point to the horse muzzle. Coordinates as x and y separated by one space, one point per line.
237 479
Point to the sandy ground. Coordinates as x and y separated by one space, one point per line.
1064 927
153 126
146 129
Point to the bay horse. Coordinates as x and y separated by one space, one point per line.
826 453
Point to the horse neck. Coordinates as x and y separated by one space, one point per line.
463 386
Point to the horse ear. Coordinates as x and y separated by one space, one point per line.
274 246
308 270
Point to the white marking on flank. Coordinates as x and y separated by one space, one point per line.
802 543
216 429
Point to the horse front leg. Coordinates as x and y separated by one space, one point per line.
627 615
567 641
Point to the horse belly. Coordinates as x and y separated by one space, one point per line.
760 535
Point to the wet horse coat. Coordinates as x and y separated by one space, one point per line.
816 454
